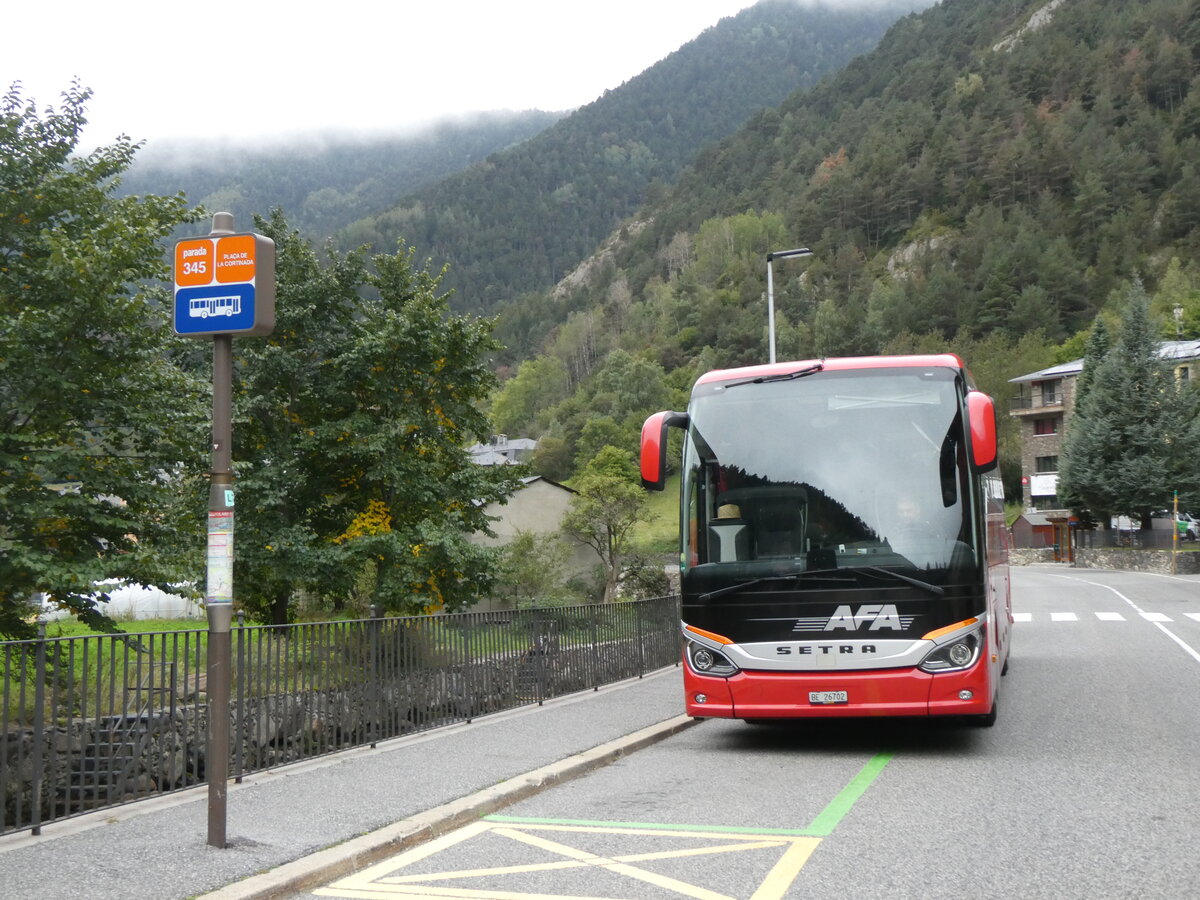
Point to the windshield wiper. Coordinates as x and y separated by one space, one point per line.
782 376
791 576
916 582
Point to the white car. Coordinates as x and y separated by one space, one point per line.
1188 525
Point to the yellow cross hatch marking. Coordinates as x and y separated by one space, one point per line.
388 880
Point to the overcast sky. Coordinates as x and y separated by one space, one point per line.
213 71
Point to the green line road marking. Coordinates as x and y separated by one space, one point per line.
831 815
822 826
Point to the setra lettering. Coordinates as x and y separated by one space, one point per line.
825 649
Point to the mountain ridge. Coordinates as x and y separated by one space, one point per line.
519 220
961 191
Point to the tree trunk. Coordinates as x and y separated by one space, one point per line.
280 610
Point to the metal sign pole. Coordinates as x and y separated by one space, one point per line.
770 313
227 278
220 587
1175 535
219 593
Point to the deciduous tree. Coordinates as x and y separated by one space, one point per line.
355 416
98 425
609 503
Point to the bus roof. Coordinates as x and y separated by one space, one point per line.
944 360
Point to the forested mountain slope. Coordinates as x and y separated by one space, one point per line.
1035 160
520 220
990 178
325 183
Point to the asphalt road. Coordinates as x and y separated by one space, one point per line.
1086 787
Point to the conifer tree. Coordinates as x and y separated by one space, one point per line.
1126 448
1095 349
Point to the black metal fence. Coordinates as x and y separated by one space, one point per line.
1137 539
93 722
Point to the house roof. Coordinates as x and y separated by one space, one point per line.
1033 519
502 443
1174 351
491 458
530 479
1179 350
1074 367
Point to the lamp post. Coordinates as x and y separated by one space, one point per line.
778 254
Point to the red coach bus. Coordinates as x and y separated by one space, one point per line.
843 549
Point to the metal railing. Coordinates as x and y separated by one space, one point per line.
94 722
1025 401
1137 539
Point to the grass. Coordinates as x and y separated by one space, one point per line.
73 628
660 534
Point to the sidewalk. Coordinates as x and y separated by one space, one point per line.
353 807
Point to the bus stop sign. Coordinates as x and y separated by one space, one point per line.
225 284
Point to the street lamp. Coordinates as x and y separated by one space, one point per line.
778 254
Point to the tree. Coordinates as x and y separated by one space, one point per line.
597 433
1178 289
609 502
532 571
356 415
1095 349
628 388
285 396
539 384
552 458
98 424
1131 440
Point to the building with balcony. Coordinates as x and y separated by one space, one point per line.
1043 407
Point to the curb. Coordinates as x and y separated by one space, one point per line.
357 853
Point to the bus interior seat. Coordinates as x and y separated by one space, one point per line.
779 528
775 516
728 535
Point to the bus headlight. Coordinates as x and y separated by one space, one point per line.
706 661
960 653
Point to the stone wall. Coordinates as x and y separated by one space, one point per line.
1121 558
1136 560
1031 556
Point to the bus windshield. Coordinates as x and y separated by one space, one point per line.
840 469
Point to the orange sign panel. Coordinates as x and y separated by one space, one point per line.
194 263
235 259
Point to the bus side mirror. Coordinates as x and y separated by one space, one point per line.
981 410
654 447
